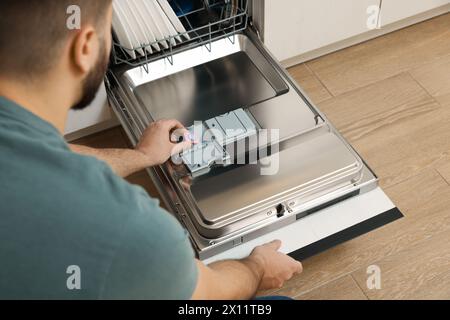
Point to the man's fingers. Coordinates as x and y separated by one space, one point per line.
180 147
275 245
172 124
298 267
179 133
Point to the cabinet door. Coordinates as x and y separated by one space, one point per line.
98 112
294 27
396 10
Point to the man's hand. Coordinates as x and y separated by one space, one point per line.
266 268
276 267
158 143
154 149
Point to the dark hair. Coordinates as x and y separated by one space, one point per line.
33 32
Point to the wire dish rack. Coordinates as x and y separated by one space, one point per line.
209 20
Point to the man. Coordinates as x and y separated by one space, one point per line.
70 226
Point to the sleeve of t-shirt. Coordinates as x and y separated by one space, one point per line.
154 260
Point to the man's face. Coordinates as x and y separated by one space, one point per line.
95 78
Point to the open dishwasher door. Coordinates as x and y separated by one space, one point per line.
268 164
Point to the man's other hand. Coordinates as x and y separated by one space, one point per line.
277 268
266 268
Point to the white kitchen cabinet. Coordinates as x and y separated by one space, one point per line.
395 10
97 114
299 30
294 27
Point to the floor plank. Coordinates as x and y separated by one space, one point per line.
444 169
416 273
425 202
309 82
435 78
397 127
111 138
344 288
384 57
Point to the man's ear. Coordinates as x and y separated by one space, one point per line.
85 49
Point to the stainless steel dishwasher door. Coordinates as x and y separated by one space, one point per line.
316 165
244 196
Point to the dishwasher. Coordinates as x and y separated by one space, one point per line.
271 165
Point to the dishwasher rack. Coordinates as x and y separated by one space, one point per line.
212 20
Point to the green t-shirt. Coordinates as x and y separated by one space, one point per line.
71 229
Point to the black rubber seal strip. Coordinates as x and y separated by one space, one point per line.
347 234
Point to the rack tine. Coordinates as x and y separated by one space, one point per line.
170 55
146 64
232 37
208 45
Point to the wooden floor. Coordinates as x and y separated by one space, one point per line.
390 97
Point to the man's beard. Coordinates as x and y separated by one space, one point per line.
93 81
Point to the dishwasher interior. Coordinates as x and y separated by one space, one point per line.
266 157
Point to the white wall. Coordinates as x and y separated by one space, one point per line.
293 27
395 10
98 112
